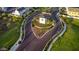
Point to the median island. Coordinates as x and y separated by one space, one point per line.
42 23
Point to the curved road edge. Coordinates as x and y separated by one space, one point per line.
13 48
22 31
61 33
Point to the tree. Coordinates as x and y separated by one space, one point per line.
44 9
63 11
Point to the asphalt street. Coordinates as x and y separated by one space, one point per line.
31 42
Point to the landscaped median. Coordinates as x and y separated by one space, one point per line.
39 29
70 40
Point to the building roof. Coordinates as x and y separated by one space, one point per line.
74 9
8 9
21 10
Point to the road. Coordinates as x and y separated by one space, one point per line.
31 42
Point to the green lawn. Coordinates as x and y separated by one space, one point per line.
9 38
70 40
47 24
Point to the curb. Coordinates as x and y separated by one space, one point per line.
22 31
50 46
13 48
